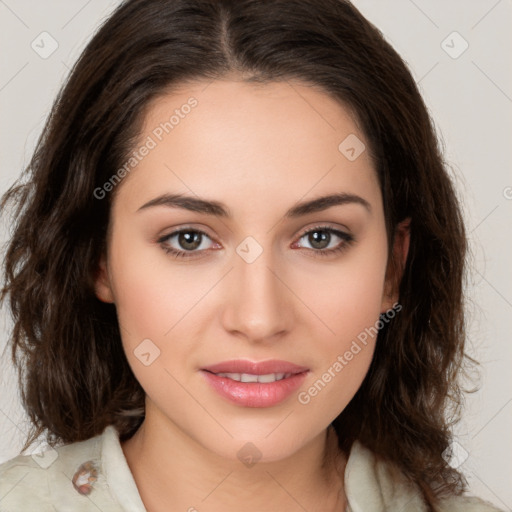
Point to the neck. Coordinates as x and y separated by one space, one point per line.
174 472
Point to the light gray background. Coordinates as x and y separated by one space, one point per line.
470 99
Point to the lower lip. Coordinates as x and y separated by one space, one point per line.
255 394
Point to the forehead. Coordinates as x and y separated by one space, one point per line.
229 139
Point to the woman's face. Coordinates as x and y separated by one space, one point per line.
251 285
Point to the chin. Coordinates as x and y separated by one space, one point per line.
258 445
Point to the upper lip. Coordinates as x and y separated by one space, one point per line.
255 367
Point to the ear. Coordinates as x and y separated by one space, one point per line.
396 264
102 284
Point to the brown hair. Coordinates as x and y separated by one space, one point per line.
66 344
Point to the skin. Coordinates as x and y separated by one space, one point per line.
259 149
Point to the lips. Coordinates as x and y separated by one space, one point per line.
255 384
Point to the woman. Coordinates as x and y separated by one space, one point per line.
236 271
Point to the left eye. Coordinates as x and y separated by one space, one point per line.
320 238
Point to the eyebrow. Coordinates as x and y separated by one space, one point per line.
218 209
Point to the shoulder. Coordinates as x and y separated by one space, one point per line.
65 475
466 504
375 485
23 483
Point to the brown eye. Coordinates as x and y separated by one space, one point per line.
320 239
189 240
185 243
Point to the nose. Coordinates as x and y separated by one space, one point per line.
258 304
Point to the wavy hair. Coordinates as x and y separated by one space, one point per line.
66 345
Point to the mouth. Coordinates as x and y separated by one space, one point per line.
255 384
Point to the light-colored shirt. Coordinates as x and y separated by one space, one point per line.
93 475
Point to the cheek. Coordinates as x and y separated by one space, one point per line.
154 306
349 303
348 297
344 354
152 295
359 298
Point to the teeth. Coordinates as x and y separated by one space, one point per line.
271 377
247 377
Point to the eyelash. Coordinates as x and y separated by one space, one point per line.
347 241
